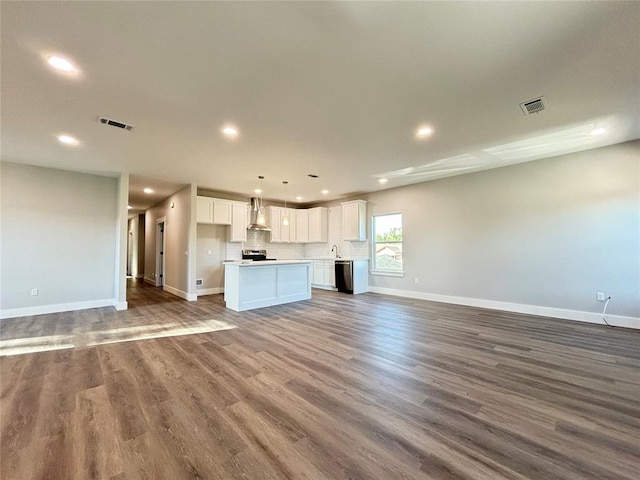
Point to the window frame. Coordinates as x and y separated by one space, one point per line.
374 267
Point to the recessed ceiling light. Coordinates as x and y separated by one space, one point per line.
258 191
61 64
382 181
68 140
324 192
230 131
147 190
424 132
298 198
598 131
129 207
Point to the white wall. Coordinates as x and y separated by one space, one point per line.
211 252
548 233
178 232
59 236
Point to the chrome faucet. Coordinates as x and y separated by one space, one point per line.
336 247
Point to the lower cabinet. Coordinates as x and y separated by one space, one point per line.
324 274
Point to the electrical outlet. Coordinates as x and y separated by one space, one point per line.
34 292
416 281
600 296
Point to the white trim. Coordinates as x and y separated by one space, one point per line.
56 308
121 305
150 280
140 275
590 317
386 273
209 291
122 234
180 293
324 287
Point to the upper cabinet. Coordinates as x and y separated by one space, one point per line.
354 220
213 210
302 225
204 210
238 228
305 225
318 225
224 212
282 233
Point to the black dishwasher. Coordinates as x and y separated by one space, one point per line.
344 276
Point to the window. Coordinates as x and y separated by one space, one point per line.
387 243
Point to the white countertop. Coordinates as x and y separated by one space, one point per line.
341 258
264 263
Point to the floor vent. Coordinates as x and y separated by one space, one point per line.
533 106
113 123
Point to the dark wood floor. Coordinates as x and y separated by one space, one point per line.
353 387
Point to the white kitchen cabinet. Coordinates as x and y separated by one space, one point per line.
204 210
354 220
213 210
282 233
324 274
275 222
221 212
318 225
318 273
238 228
330 273
288 232
224 212
302 225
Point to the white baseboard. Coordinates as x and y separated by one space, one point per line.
121 305
150 280
324 287
209 291
591 317
140 275
56 308
179 293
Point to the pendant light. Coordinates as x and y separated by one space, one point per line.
261 218
285 218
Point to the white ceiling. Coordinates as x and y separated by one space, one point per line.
332 88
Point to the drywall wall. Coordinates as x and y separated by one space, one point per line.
59 236
121 242
211 252
176 210
548 233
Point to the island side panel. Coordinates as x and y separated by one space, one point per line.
294 283
255 286
232 286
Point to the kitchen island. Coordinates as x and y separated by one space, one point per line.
249 285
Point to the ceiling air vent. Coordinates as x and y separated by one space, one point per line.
113 123
533 106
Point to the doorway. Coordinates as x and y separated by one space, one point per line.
160 248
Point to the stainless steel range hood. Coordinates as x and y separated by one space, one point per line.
255 213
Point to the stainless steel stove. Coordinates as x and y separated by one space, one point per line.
255 255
